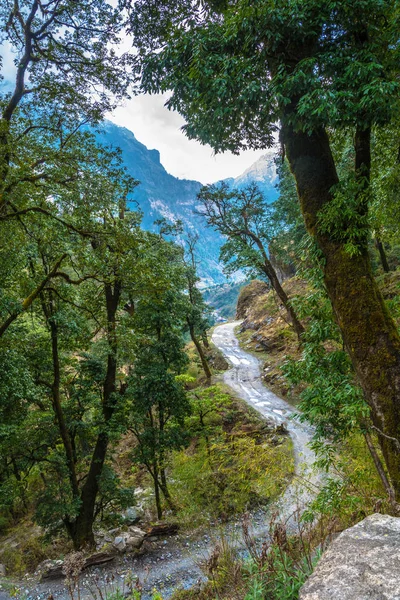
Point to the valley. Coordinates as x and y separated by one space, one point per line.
199 380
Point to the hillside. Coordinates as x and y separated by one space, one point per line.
265 330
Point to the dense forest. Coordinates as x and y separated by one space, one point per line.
110 384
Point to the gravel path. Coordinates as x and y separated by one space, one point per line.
174 562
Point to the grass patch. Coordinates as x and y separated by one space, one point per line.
234 462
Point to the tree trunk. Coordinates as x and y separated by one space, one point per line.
58 411
273 278
200 351
157 492
369 333
4 162
164 488
204 337
382 254
379 466
81 530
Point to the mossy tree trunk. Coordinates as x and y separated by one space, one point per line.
369 333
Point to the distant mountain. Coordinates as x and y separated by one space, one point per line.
163 195
263 172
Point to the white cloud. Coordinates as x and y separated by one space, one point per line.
157 127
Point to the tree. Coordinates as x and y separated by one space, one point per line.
65 65
77 369
158 400
244 218
237 69
196 320
114 250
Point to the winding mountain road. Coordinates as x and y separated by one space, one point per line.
175 562
245 380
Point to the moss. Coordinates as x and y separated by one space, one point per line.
372 339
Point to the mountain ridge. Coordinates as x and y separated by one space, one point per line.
161 194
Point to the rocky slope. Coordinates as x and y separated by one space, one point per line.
266 331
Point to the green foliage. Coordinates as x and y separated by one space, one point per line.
243 67
330 401
90 274
353 493
346 219
225 471
281 579
158 402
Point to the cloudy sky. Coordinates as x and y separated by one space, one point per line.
157 127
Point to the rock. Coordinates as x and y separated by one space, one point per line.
114 531
2 571
131 516
136 537
129 540
362 563
50 569
120 543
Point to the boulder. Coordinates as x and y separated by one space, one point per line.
362 563
120 543
131 516
129 540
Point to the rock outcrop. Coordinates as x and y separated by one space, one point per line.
129 540
363 563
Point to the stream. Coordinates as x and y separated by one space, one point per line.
175 562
